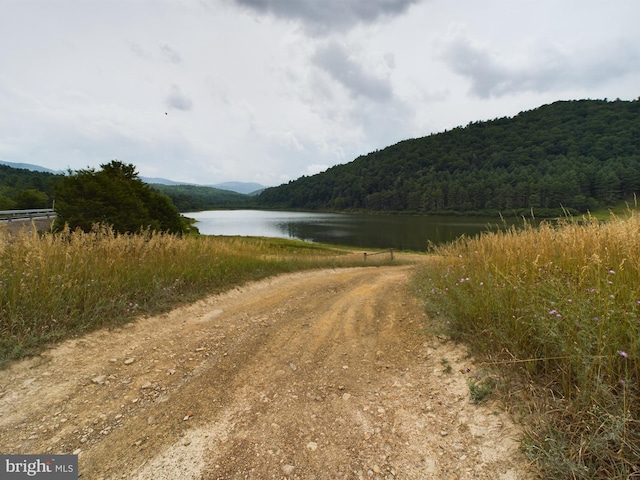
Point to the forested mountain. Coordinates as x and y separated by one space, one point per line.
32 187
190 198
23 188
30 166
577 155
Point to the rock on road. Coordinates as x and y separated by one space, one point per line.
315 375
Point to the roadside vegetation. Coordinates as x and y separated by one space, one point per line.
62 285
555 311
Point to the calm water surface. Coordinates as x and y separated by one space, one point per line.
401 232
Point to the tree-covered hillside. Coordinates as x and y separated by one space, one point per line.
577 155
22 188
191 198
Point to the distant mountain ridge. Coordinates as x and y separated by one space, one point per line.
247 188
29 166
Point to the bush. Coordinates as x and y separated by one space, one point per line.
117 197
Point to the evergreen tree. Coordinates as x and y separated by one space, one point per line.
115 196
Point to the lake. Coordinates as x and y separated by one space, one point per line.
401 232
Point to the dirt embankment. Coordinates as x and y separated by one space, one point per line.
317 375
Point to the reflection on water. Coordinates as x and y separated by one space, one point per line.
402 232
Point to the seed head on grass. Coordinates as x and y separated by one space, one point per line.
560 295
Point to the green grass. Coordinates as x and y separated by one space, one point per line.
557 307
447 368
56 286
480 391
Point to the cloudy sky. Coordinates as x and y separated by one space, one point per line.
208 91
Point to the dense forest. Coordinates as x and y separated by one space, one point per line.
191 198
22 188
572 155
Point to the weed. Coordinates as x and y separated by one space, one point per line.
447 366
480 390
559 305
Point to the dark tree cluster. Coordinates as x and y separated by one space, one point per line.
114 195
574 155
21 188
192 198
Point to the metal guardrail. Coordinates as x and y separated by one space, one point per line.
9 215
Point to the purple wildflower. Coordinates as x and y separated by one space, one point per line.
623 354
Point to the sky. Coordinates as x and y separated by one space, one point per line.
265 91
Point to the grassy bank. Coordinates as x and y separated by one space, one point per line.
56 286
558 308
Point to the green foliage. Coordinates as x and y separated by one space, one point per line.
447 366
21 188
6 203
576 155
31 198
191 198
114 196
480 391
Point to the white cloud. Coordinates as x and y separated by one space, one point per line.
335 60
268 90
541 68
314 169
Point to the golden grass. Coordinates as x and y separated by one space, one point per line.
560 305
54 286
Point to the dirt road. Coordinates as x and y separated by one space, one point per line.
316 375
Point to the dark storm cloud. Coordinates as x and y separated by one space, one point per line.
541 71
334 59
323 16
178 100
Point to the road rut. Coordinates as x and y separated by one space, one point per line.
315 375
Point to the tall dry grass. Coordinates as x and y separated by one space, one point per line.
54 286
560 305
